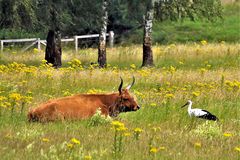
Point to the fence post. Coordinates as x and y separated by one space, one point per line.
111 38
76 43
39 44
1 46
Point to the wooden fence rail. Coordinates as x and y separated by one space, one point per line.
38 41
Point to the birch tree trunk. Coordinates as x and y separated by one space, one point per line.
147 39
102 59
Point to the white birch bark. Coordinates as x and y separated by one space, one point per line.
147 40
102 60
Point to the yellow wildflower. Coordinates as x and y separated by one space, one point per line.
35 50
88 157
138 130
153 150
209 66
66 93
237 149
44 61
162 148
26 99
198 144
94 91
153 104
15 96
133 66
172 45
75 63
196 94
169 95
172 69
203 70
127 134
122 128
181 63
117 124
5 104
204 42
2 98
184 89
114 68
45 139
227 135
75 141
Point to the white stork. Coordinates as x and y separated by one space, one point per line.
199 113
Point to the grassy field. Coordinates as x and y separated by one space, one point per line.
208 74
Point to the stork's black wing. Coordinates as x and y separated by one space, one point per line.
208 116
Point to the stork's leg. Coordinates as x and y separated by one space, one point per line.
192 123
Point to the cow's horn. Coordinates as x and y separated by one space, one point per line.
120 86
128 87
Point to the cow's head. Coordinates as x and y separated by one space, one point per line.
124 102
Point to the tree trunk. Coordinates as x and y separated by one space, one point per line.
53 53
147 40
102 59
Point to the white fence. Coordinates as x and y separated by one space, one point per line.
37 41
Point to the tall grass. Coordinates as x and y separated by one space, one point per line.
208 74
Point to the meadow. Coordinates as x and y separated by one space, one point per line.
208 74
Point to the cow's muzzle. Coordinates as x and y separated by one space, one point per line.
125 109
129 109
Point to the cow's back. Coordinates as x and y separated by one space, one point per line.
79 106
71 107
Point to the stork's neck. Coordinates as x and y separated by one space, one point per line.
189 107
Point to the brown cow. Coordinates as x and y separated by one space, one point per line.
83 106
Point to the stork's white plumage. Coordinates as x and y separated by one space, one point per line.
199 113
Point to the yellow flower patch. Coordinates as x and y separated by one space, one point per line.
227 135
88 157
75 141
138 130
153 150
198 145
45 139
237 149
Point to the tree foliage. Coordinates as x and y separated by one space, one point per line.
192 9
83 17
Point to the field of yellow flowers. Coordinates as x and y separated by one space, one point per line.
208 74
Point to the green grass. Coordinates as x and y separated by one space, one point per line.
206 74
